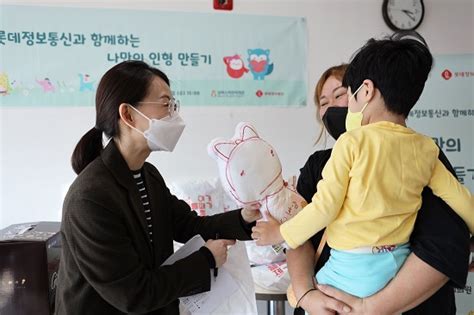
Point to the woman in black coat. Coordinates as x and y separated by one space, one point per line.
119 218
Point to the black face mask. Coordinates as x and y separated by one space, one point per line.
334 120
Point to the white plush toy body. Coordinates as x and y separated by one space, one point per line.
250 171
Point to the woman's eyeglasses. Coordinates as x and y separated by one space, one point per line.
173 106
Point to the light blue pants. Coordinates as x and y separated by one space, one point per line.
362 274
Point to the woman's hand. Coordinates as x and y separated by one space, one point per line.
251 212
316 303
357 305
267 232
218 249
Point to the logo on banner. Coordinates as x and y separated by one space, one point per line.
261 93
258 64
228 93
446 74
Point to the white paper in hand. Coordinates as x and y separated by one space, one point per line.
221 287
206 302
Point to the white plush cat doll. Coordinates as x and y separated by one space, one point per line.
250 172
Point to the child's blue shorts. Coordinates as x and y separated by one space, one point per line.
362 274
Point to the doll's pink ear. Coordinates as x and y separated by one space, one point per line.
248 131
224 149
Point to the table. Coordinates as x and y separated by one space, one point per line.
275 300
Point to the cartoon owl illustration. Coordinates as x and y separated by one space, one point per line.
259 63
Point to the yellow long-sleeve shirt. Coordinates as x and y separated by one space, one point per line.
371 189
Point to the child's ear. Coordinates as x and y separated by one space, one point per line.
369 91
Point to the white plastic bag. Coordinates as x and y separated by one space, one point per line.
272 277
207 197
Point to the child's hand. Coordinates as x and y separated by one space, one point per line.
267 232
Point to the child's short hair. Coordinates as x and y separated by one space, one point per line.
397 65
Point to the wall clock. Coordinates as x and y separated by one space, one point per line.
403 14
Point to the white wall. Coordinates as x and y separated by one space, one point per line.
36 144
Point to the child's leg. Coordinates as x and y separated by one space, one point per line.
362 274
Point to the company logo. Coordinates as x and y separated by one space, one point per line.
446 74
228 93
261 93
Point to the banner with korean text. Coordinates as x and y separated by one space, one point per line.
56 56
445 112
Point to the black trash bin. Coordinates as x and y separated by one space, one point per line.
29 261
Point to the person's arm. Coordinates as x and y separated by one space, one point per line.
300 259
235 224
440 237
415 282
229 225
327 202
301 268
457 196
106 256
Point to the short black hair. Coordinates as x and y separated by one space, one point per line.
397 65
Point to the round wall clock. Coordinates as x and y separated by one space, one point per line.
403 14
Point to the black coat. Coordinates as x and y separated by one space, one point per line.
108 264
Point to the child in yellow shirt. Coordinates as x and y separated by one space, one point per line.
371 188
